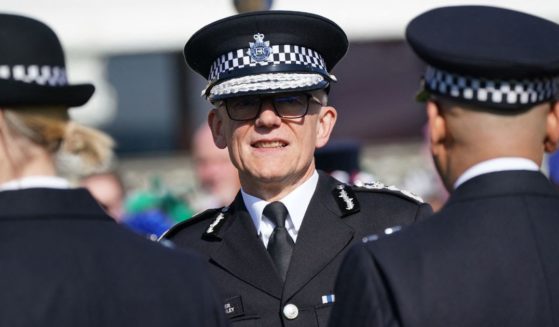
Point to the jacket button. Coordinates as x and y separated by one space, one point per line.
290 311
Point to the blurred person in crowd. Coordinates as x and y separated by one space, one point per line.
107 188
341 160
65 262
147 212
276 249
153 211
490 256
217 177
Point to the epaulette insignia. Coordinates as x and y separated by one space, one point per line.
387 231
380 186
201 216
167 243
216 225
346 199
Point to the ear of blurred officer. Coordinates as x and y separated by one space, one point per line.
462 135
276 249
489 256
217 177
64 261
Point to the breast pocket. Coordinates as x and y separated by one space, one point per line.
246 321
322 313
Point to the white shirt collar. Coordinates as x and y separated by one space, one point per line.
35 181
296 203
494 165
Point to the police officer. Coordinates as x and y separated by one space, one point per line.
276 249
490 256
64 261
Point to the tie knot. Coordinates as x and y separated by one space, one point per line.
276 212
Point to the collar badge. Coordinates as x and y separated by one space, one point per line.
216 224
346 198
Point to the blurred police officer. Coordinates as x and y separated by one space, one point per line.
64 261
490 257
276 250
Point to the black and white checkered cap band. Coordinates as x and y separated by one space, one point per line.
502 93
42 75
281 54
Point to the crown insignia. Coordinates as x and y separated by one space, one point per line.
260 50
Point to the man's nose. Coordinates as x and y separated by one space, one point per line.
267 115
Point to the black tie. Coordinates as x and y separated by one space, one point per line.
280 244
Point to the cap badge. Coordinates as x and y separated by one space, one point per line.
260 50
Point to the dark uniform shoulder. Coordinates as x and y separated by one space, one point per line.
378 187
200 218
349 197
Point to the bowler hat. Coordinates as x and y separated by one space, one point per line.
32 66
266 52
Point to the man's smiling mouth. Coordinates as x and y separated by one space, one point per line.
269 144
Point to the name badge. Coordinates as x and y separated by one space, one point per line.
234 307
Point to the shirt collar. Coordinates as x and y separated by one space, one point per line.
35 182
296 203
494 165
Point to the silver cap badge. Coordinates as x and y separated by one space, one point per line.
260 50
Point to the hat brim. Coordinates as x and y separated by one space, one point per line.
18 94
267 84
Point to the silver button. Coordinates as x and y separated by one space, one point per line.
290 311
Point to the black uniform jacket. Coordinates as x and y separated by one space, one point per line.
64 262
251 289
489 258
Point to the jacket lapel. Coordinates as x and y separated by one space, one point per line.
243 254
323 235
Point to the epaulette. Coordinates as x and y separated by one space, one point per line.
378 186
386 231
204 215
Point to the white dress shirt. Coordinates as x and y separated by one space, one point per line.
34 182
296 203
494 165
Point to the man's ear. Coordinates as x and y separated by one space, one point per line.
437 125
216 125
552 128
326 121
